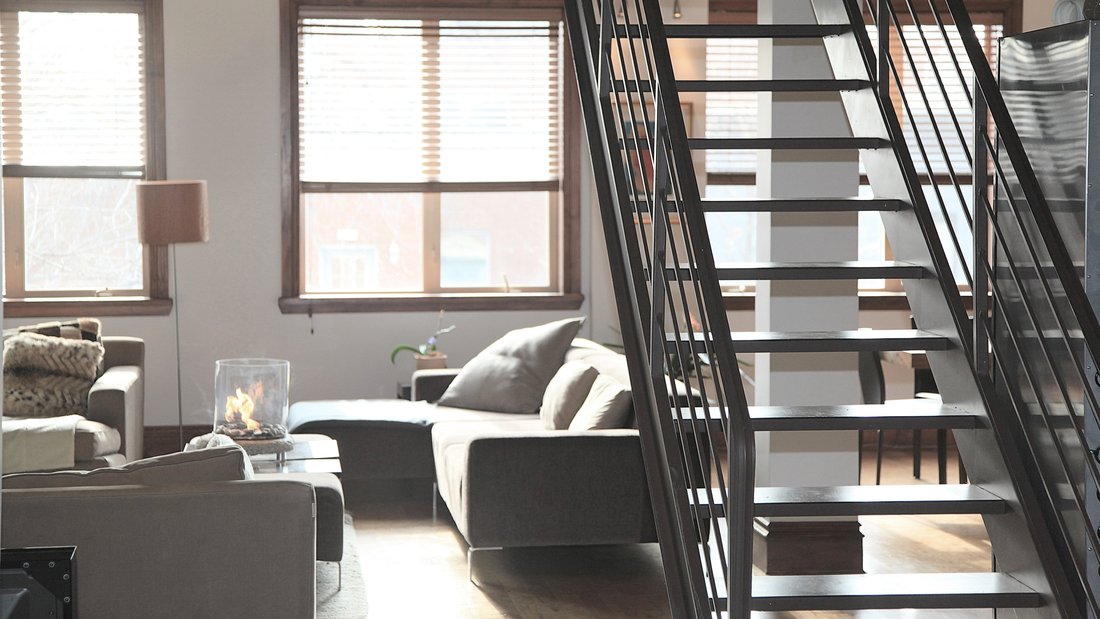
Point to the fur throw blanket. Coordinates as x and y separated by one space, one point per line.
48 376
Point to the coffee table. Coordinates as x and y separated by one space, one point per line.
312 453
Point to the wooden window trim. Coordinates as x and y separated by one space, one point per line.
158 303
568 255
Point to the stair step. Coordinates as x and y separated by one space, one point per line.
815 270
915 414
817 143
889 591
771 85
744 31
826 341
821 143
774 502
807 205
746 85
752 31
820 205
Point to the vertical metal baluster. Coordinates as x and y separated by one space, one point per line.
981 234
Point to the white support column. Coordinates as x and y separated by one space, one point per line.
804 458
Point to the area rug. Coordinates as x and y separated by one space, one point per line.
349 600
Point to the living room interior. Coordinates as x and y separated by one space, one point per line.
231 108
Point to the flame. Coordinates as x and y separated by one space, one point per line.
240 407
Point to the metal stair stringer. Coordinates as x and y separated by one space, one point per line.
1021 537
646 306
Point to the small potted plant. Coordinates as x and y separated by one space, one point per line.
427 355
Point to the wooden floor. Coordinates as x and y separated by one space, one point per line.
415 567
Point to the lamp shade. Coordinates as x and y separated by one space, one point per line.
170 212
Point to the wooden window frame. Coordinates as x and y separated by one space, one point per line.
566 256
154 300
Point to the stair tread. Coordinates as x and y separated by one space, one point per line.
819 270
806 205
890 591
734 31
827 341
751 85
800 143
893 415
776 85
883 500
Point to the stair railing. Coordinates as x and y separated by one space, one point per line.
1036 367
690 403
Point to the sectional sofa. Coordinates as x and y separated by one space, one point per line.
507 481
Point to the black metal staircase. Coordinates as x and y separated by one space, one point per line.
698 430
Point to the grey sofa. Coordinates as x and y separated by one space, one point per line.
506 480
174 550
112 432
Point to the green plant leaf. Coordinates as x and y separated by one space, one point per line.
393 355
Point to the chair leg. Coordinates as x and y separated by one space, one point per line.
941 455
962 469
916 453
878 457
339 575
859 458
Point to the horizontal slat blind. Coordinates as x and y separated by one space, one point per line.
418 100
72 89
731 114
939 110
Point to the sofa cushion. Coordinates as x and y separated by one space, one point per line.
48 376
607 406
76 329
450 446
94 439
215 464
565 394
511 374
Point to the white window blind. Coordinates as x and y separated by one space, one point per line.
73 90
938 111
388 101
731 114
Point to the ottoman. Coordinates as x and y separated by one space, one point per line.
330 510
382 439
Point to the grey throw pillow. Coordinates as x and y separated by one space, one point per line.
607 406
215 464
565 394
511 375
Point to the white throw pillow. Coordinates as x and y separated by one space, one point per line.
565 394
606 407
511 375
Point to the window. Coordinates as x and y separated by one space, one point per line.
81 124
431 163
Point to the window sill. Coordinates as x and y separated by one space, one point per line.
62 307
322 304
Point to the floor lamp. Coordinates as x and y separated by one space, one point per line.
169 213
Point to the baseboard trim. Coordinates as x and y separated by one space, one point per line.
783 547
160 440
